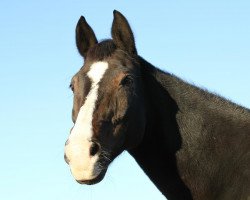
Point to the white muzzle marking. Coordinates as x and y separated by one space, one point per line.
82 165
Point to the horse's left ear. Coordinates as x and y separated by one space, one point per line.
122 34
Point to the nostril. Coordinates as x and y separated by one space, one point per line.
94 149
66 159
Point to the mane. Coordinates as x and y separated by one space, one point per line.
192 95
102 50
195 96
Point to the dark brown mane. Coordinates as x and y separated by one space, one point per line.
102 50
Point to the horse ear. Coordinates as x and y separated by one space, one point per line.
85 36
122 34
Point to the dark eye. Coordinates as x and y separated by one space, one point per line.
127 81
71 87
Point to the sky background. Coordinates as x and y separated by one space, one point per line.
206 43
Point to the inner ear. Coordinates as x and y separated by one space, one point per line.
122 34
85 37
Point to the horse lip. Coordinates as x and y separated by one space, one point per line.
94 180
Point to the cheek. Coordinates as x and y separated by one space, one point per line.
135 124
113 139
123 102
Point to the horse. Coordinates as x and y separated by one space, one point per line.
191 143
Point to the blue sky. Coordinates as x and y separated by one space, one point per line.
204 42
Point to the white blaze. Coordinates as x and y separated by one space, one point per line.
82 165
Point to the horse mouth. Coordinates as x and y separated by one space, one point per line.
94 180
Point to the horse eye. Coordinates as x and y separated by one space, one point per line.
71 87
127 80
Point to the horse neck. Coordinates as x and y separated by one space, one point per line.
156 153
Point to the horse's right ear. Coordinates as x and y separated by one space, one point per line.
85 37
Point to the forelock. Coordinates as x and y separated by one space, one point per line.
101 50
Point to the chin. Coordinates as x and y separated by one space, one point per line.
95 180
